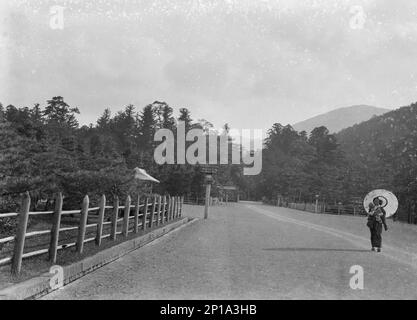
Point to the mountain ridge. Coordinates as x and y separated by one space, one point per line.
340 118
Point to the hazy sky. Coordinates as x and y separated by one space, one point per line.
249 63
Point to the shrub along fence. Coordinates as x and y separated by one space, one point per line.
153 211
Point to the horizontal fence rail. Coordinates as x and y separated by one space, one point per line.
145 212
321 207
200 201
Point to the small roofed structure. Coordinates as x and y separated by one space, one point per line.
141 174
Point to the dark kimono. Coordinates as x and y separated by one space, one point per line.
375 223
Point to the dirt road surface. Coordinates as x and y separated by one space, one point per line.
253 251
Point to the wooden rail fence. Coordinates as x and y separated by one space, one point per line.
321 207
338 209
156 211
201 201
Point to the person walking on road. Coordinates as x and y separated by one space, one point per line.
376 219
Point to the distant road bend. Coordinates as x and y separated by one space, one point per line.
253 251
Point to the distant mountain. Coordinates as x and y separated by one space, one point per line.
341 118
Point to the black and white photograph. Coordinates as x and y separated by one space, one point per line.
208 155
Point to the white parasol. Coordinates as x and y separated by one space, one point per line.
389 201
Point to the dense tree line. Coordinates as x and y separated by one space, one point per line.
45 150
383 154
379 153
297 167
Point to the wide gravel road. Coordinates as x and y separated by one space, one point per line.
254 251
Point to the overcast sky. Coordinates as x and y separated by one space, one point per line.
249 63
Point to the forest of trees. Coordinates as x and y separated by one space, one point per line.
344 167
44 150
297 166
383 154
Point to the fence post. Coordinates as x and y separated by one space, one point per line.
163 209
169 209
136 220
20 235
114 218
158 215
100 219
177 207
152 213
182 202
82 226
56 223
126 217
206 205
174 208
145 211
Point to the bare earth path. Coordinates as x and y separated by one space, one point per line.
252 251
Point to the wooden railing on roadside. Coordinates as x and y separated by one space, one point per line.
156 211
321 207
201 201
337 209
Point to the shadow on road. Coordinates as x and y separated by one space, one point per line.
315 249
